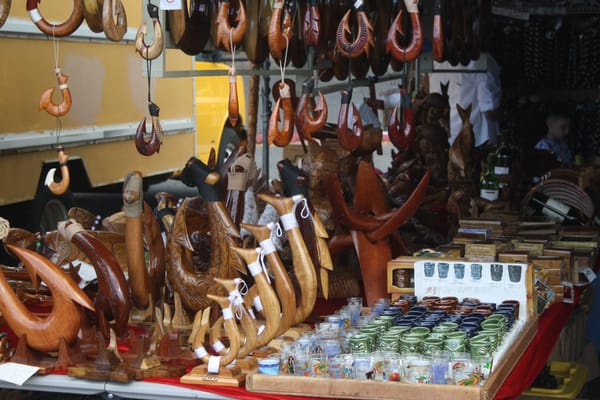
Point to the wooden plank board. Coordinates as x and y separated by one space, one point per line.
355 389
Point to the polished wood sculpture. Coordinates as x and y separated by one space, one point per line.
283 284
280 30
62 108
233 106
61 187
150 51
401 131
310 116
239 174
190 27
282 137
114 10
112 301
92 13
364 36
312 24
349 137
4 11
438 32
255 40
373 227
303 265
44 334
147 148
58 30
412 51
228 36
268 297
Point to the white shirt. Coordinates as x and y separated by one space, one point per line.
480 89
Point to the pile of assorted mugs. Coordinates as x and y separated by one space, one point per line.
437 340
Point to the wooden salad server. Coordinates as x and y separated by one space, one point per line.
133 205
4 11
111 10
112 301
303 265
438 32
393 46
46 103
226 34
268 297
364 36
92 13
58 30
283 284
63 322
147 148
350 138
150 51
310 117
282 137
280 30
58 188
247 321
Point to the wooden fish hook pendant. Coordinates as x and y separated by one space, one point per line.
58 188
46 103
58 30
152 51
147 148
282 138
92 13
364 36
310 117
349 138
228 36
312 24
233 105
438 32
280 30
4 10
412 51
110 10
402 131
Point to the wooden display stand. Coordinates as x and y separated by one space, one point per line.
230 375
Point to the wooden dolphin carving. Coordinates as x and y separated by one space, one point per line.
44 334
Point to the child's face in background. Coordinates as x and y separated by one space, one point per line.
558 127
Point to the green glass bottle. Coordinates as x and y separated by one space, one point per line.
489 184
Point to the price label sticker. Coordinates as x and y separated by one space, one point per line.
170 5
589 274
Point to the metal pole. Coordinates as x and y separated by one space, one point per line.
266 102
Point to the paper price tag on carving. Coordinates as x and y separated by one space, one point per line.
170 5
16 374
589 274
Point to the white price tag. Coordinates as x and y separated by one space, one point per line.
589 274
16 374
170 5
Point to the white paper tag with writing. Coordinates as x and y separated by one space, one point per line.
15 373
170 5
589 274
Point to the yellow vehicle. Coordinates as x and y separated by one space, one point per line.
109 94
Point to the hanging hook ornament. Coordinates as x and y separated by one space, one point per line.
46 103
364 37
228 36
58 188
349 138
4 10
147 148
111 10
412 51
310 116
152 51
282 137
56 30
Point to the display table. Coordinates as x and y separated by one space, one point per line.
524 373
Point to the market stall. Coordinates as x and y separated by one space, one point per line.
446 268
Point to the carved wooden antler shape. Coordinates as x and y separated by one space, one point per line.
280 29
46 103
412 51
226 34
58 30
364 36
147 148
44 334
350 139
4 10
438 32
111 10
247 321
112 300
282 137
151 51
61 187
92 13
312 24
283 283
133 205
268 297
303 265
310 117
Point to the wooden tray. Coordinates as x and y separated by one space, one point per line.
355 389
